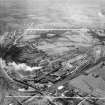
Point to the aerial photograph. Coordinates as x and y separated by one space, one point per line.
52 52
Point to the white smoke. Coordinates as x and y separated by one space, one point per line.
23 66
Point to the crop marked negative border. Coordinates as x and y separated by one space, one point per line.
60 97
42 29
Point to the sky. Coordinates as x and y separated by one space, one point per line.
78 11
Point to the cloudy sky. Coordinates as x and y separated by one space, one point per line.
78 11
